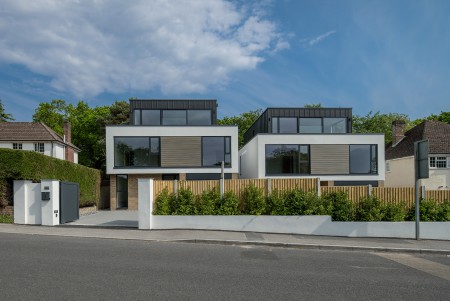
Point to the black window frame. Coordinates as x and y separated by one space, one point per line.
275 122
299 160
225 153
372 148
158 154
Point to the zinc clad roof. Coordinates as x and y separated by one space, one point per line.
437 133
30 131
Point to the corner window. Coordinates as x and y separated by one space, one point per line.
215 150
39 147
335 125
136 151
287 159
439 162
17 145
363 159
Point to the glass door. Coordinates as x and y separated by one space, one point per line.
122 191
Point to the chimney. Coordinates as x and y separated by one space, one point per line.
398 131
68 140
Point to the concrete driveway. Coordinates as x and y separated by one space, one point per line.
104 218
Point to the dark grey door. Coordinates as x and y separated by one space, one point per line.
68 202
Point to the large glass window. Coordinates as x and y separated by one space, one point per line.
363 159
287 159
137 117
335 125
287 125
310 125
199 117
215 150
151 117
136 151
174 117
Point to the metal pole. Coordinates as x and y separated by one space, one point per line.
222 180
417 202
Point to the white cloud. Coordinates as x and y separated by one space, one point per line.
90 47
313 41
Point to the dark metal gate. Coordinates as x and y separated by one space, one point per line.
68 202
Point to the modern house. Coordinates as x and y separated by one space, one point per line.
167 140
38 137
312 142
400 154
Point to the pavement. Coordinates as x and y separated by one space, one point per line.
123 225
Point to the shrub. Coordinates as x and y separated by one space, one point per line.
369 209
6 219
342 207
27 165
184 203
229 205
253 200
444 211
275 203
163 203
394 212
209 200
298 202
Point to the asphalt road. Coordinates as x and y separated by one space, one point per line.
34 267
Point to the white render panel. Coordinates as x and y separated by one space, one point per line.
75 157
248 161
164 131
58 151
262 139
6 145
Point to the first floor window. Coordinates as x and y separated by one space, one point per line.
439 162
287 159
136 151
215 150
17 145
39 147
363 159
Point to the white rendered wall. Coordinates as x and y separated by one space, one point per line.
50 209
58 151
167 131
262 139
27 203
75 157
248 160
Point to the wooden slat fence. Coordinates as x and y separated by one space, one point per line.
159 186
197 187
309 184
438 195
396 195
355 193
238 186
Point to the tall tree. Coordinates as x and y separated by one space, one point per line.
243 121
4 117
379 123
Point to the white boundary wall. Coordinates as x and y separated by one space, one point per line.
307 225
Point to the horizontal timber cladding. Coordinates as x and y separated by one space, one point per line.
329 159
181 152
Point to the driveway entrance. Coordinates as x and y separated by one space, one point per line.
117 218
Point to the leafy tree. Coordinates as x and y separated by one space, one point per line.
379 123
243 121
4 117
444 117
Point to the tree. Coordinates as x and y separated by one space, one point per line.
444 117
4 117
379 123
52 114
243 121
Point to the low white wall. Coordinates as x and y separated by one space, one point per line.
306 225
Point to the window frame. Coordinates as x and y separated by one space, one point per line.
225 152
149 149
373 148
39 147
298 163
434 162
17 146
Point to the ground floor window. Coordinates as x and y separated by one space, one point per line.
287 159
363 159
122 191
215 150
39 147
17 145
440 162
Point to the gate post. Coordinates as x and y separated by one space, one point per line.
145 203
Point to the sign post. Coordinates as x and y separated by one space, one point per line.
421 172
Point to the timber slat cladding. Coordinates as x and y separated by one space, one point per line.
181 152
329 159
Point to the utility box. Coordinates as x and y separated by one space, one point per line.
50 202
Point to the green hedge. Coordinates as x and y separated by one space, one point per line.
27 165
294 202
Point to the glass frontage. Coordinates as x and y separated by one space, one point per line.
174 117
215 150
287 125
310 125
122 191
151 117
199 117
287 159
136 151
335 125
363 159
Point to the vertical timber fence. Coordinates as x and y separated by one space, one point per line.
396 195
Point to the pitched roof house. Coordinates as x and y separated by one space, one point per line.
36 136
400 154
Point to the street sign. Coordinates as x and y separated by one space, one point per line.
421 159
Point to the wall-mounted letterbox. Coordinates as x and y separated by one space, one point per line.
45 195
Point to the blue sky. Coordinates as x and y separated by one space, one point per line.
387 56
